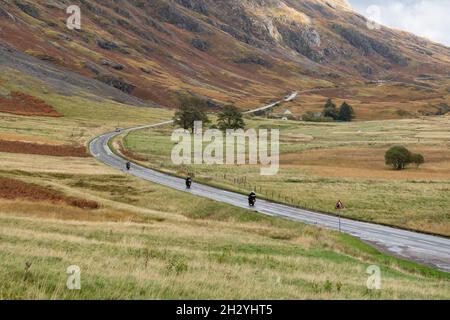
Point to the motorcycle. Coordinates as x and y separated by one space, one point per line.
128 166
188 183
252 200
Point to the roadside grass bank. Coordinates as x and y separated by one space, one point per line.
150 242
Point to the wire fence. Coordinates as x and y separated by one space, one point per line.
244 185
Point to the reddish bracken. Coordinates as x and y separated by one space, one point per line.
12 189
42 149
22 104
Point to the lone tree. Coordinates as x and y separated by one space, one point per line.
346 112
230 117
399 157
330 110
191 109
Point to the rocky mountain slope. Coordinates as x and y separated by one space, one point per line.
241 51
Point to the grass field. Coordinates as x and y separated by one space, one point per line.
324 162
142 244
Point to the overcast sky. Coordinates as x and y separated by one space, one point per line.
426 18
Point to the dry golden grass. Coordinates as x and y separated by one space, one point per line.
368 163
49 164
192 259
47 210
28 138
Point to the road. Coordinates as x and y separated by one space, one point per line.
425 249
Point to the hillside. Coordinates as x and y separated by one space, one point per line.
246 52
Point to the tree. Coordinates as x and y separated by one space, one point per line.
330 110
398 157
346 112
230 117
417 159
191 110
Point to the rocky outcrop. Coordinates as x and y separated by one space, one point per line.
106 44
304 40
112 64
92 67
28 9
369 45
235 33
116 82
122 12
200 44
173 16
388 52
157 25
254 59
199 6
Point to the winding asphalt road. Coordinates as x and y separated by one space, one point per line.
425 249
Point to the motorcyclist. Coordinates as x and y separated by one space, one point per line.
128 165
252 199
188 182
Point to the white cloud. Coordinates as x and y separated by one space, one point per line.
426 18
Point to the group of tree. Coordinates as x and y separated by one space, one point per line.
400 157
193 109
344 113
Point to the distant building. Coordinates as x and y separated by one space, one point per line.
287 115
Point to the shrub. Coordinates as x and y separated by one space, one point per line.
417 159
399 157
313 117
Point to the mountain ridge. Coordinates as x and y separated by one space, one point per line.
232 51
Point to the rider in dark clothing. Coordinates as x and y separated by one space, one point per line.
252 199
188 182
128 165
